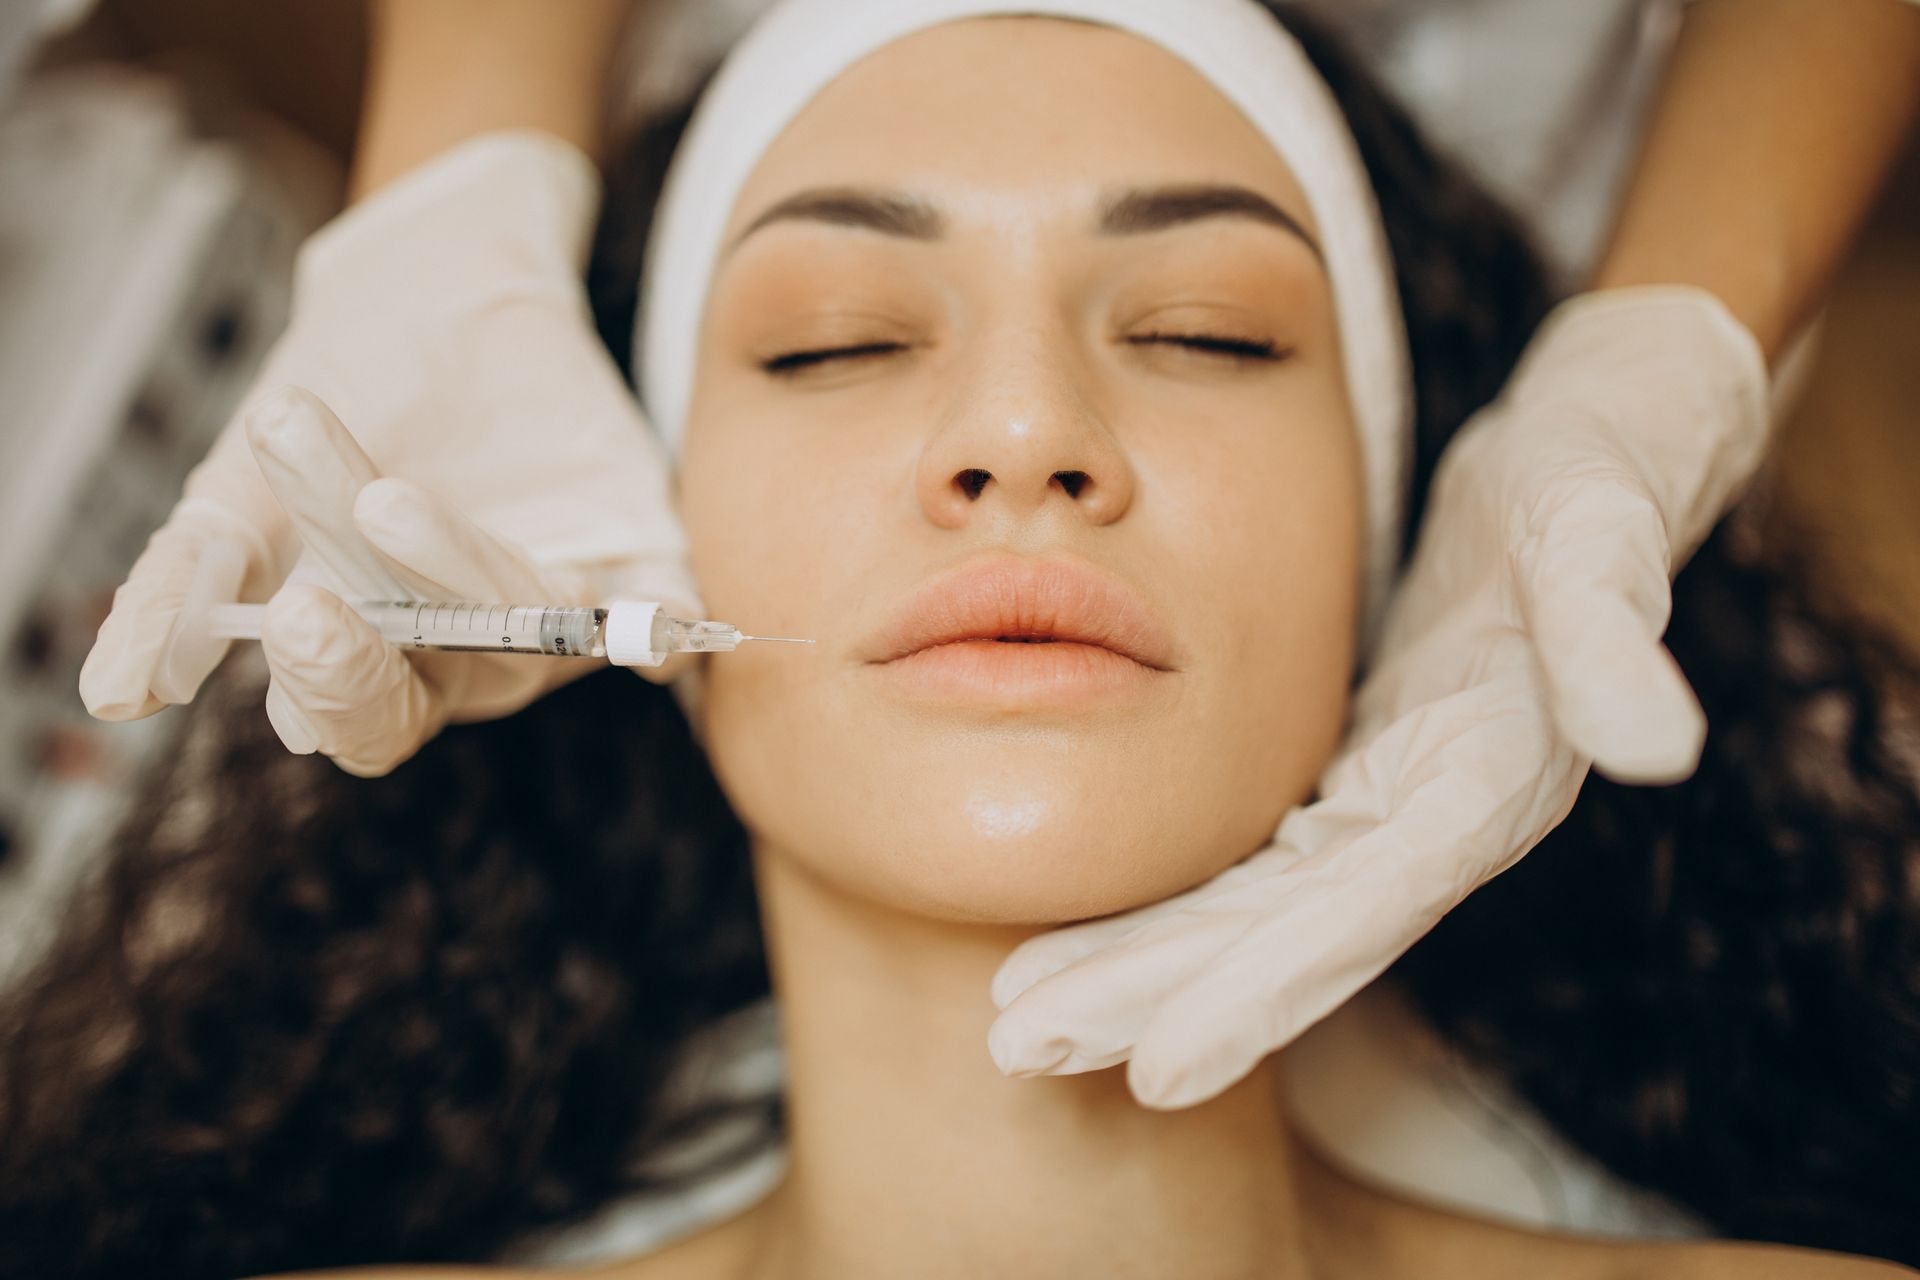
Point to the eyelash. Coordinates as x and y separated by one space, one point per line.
1236 349
797 361
1213 344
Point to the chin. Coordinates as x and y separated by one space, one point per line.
1014 883
1020 848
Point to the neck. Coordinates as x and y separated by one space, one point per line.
911 1154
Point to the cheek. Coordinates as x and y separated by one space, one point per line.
1263 526
778 527
1286 536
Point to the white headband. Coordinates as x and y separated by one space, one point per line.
800 46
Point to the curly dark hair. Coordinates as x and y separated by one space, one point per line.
302 1019
1714 987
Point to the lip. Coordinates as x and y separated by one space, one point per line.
952 635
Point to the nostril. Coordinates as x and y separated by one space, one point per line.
1071 481
973 480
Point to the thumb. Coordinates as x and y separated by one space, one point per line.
1591 583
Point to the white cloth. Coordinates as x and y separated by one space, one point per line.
1378 1091
800 46
1544 100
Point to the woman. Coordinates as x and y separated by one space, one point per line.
1662 393
1136 405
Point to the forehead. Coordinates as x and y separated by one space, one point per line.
1023 109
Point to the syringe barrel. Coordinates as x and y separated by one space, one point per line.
564 631
630 633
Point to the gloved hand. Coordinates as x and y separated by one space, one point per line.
445 319
1522 645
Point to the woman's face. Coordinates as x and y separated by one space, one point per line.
1014 295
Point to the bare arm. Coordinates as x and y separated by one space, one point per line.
442 71
1778 122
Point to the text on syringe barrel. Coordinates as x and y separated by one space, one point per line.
493 628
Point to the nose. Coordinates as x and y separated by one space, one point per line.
1023 439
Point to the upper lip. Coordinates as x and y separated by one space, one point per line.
1015 597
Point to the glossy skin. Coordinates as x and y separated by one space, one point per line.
1221 487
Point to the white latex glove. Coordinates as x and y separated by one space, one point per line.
1523 644
445 319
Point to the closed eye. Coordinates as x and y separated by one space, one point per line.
1207 344
798 361
1212 344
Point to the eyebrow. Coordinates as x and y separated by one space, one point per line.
887 212
1158 208
1135 211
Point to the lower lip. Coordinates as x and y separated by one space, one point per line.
998 672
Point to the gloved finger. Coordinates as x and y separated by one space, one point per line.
1088 1015
1294 965
1046 954
435 552
438 553
1306 941
1591 584
121 678
339 687
192 651
1647 727
428 541
316 470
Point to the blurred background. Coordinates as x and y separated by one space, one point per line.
162 160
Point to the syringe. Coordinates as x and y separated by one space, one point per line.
627 633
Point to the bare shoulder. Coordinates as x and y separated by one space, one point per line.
1507 1251
1587 1258
716 1252
1487 1251
1415 1239
411 1273
1748 1262
713 1253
